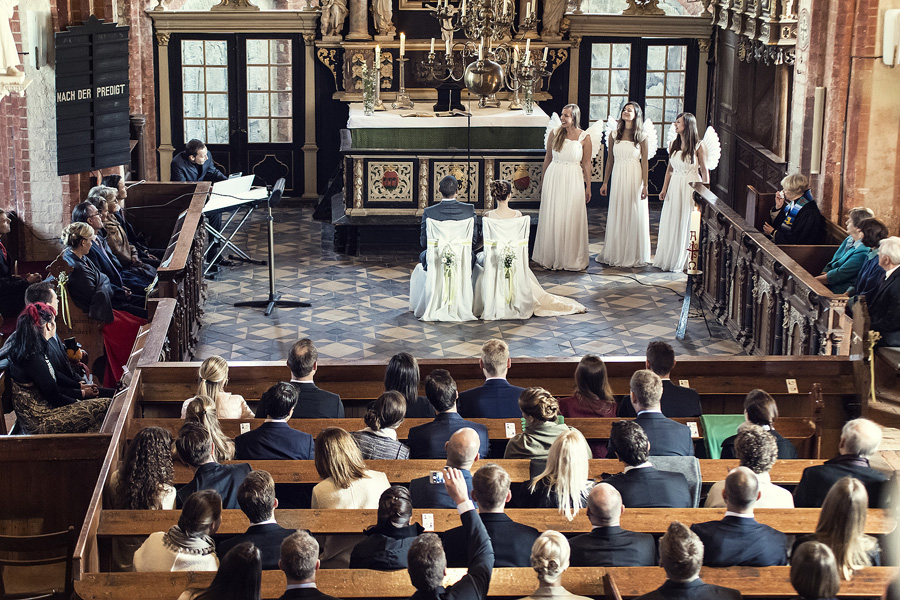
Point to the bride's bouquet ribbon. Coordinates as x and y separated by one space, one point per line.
508 258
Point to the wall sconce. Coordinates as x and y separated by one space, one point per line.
891 53
40 37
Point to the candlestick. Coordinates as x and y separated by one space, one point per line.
432 46
516 54
379 105
463 7
527 47
481 50
403 46
403 100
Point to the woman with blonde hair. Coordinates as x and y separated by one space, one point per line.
202 410
549 559
213 379
564 483
795 218
842 525
346 482
540 410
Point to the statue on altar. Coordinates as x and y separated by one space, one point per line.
9 54
333 14
383 14
554 11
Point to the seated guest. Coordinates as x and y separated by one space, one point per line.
143 482
667 437
256 497
550 559
592 397
42 405
300 561
92 293
842 526
213 379
860 439
640 483
314 403
202 410
12 287
884 305
402 375
378 441
195 446
795 218
681 556
238 578
814 574
448 209
871 274
540 411
511 541
117 209
429 440
677 401
760 409
462 452
757 450
195 163
387 543
739 540
103 198
841 271
608 545
428 564
564 482
187 546
275 439
346 482
496 399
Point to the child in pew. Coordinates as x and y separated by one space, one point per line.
187 546
239 577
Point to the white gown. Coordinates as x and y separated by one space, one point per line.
561 241
674 222
627 241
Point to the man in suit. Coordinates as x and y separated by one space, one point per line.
275 439
313 403
512 541
195 449
667 437
860 439
300 562
448 209
738 540
12 287
681 556
428 564
429 440
256 497
884 306
496 399
462 452
608 545
677 401
640 483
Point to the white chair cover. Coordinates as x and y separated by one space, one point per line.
504 292
444 291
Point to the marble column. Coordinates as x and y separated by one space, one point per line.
359 20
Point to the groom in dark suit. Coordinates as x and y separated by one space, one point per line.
448 209
314 402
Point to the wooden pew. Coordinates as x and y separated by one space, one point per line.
785 472
768 582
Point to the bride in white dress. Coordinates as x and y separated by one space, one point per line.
690 160
631 140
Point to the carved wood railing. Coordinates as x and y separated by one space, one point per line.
768 301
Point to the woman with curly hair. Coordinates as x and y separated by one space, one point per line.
144 481
592 397
550 559
213 379
540 411
202 409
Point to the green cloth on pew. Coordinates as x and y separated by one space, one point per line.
716 428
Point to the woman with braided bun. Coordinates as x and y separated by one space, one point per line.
213 379
540 411
42 406
550 559
378 441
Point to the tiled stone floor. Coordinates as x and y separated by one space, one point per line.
360 305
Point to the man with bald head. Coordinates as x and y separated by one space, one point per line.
462 451
608 545
860 439
739 540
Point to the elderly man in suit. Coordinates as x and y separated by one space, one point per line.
667 437
275 439
860 439
512 541
313 403
300 563
195 449
641 484
448 209
738 540
462 452
676 401
884 306
496 399
681 556
429 440
256 497
608 545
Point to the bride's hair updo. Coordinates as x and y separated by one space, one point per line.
500 189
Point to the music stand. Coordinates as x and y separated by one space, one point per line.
274 299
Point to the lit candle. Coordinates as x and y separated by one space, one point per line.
481 50
694 240
447 43
464 7
534 7
528 11
377 57
403 46
505 6
516 54
432 46
545 53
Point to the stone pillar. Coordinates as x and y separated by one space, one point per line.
310 149
359 20
702 84
165 149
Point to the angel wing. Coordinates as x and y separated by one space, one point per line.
671 135
553 125
652 137
610 130
597 132
712 148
